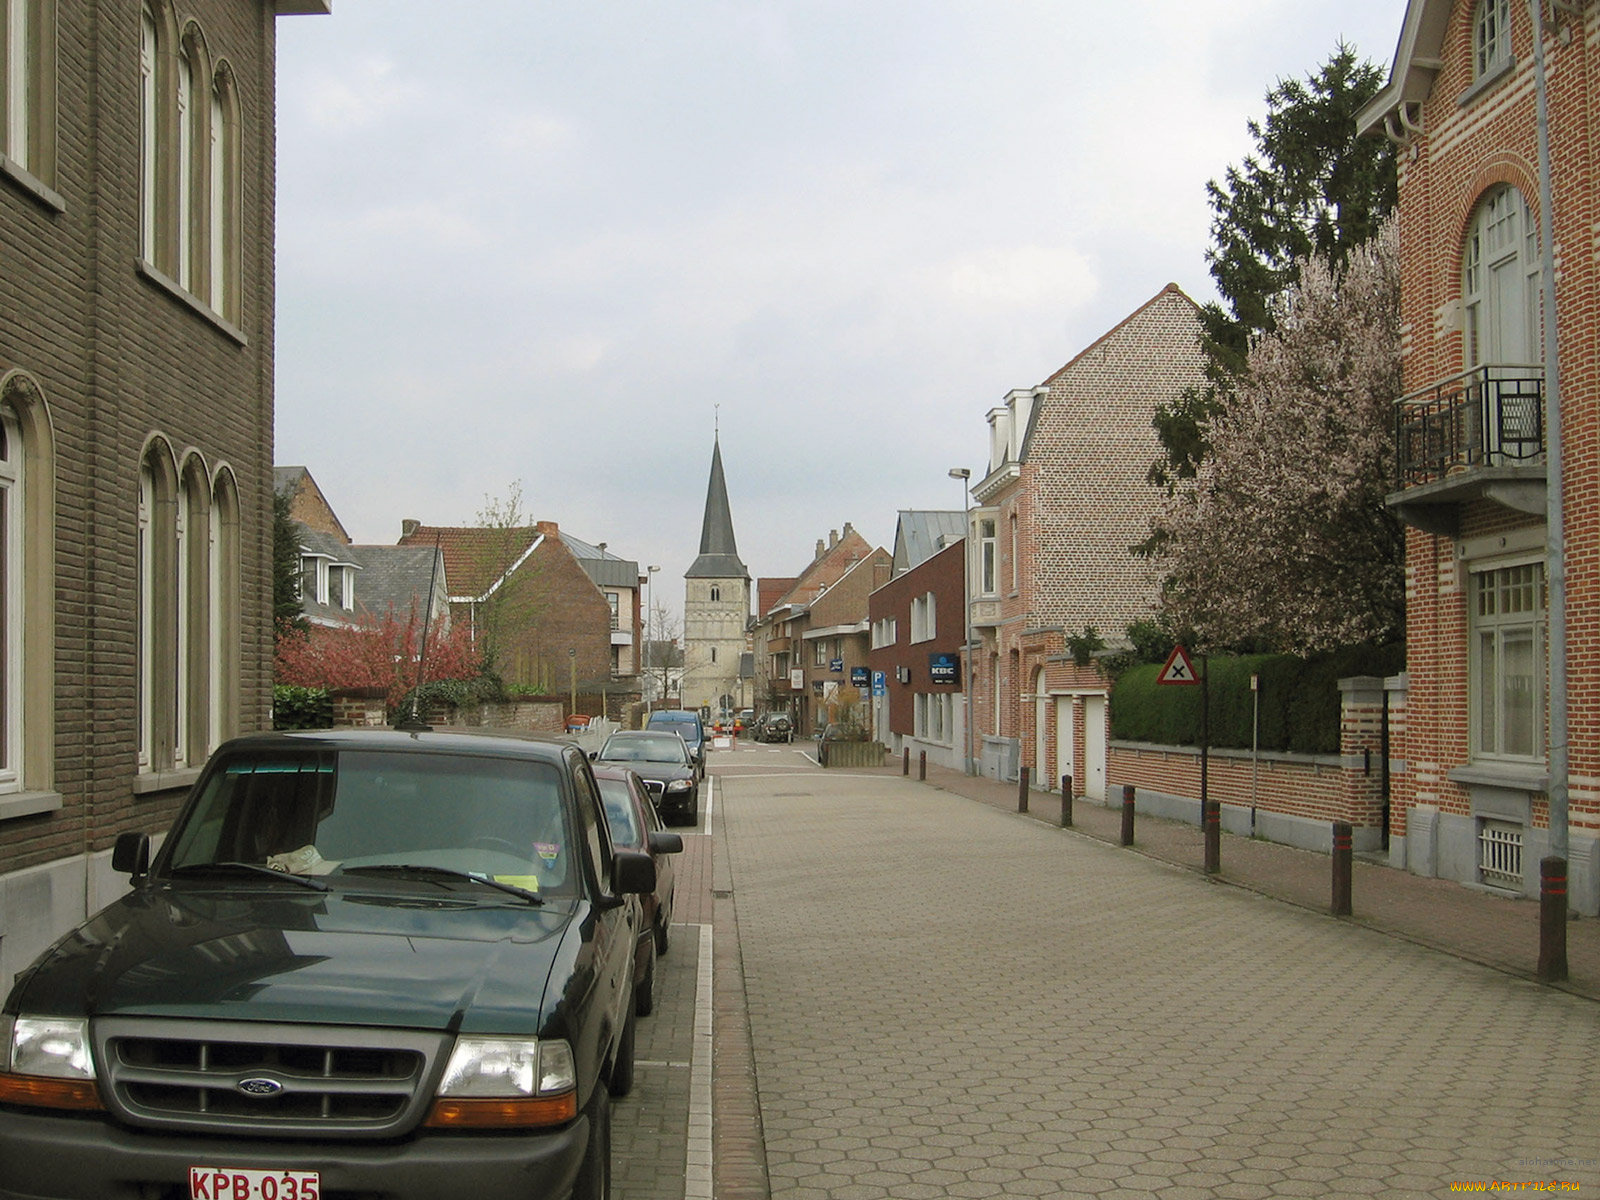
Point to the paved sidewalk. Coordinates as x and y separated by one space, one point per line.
1472 924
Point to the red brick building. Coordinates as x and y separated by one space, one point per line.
781 656
1064 499
918 630
526 594
1472 801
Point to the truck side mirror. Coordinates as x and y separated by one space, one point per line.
130 855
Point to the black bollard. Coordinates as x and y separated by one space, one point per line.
1342 865
1066 802
1127 814
905 763
922 767
1022 790
1552 920
1212 815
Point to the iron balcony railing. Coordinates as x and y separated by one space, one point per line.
1490 416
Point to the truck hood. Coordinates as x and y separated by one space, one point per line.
367 957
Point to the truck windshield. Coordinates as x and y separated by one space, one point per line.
322 812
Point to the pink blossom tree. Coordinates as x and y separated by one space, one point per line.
1282 540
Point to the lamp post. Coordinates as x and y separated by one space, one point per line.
649 616
964 475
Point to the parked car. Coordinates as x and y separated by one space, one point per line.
774 727
363 962
635 825
663 762
686 724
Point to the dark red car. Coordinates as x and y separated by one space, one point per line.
635 825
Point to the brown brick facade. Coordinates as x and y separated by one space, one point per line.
109 358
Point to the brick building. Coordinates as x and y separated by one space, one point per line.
834 637
778 651
525 593
1472 801
1063 500
136 339
917 631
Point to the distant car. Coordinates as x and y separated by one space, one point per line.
745 718
687 725
663 762
774 727
635 825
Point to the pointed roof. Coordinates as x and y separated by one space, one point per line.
719 554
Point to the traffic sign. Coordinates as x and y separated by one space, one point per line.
1178 668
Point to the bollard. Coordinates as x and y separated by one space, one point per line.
1212 816
922 767
1342 864
1127 814
1552 920
905 764
1022 790
1066 802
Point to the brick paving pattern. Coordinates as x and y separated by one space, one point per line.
946 1000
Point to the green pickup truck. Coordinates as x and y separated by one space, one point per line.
362 964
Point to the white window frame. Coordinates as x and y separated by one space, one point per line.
933 717
147 624
187 152
1494 587
924 618
1491 36
27 86
11 601
989 546
149 133
1501 236
885 632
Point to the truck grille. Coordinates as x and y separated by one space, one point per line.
272 1080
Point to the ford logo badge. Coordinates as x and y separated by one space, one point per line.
260 1087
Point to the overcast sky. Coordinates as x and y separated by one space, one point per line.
542 242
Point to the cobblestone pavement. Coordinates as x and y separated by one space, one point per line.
947 999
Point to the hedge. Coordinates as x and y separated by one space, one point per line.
1299 700
301 708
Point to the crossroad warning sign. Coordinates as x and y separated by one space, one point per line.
1178 668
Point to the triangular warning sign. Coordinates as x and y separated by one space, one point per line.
1178 668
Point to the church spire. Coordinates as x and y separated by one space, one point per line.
719 554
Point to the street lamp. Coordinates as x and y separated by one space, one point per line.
964 475
649 599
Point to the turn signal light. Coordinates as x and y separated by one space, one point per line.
503 1114
38 1091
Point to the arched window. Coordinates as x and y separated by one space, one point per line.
10 601
184 213
1499 282
27 588
223 216
149 134
223 622
1491 36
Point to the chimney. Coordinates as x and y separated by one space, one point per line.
820 547
548 528
408 526
833 538
848 529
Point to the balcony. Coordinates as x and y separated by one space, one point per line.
1475 436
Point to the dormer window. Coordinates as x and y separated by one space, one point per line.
1491 36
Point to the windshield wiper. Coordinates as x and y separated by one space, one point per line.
420 871
234 868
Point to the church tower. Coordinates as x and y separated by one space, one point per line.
716 607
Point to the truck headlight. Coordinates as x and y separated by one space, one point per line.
502 1083
45 1063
